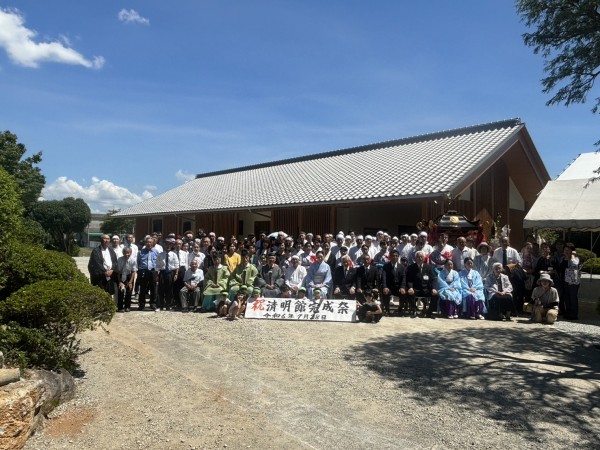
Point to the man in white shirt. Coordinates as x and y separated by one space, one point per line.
192 286
295 275
130 243
459 253
506 255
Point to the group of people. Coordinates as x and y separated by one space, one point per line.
204 273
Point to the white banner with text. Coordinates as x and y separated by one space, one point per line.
301 309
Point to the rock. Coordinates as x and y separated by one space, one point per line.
9 376
24 404
59 387
20 406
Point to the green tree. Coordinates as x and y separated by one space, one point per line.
62 219
116 225
25 172
567 34
11 212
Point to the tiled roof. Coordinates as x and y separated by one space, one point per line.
422 166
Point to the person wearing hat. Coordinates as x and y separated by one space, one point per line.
270 278
295 274
484 260
222 304
355 249
404 246
545 300
301 293
115 243
215 281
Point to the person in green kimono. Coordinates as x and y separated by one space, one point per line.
244 274
215 281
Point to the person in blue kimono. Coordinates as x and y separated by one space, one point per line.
471 286
449 290
318 276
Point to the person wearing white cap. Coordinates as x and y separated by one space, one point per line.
354 251
404 246
371 247
427 249
115 243
377 240
339 241
295 274
545 300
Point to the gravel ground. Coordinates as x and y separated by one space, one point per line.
181 381
189 381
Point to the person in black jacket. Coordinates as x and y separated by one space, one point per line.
393 274
420 281
102 265
367 277
344 280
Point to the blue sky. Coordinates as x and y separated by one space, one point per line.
129 99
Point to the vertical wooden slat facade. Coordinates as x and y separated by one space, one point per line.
285 219
317 219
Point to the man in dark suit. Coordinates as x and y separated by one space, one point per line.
367 277
420 281
344 280
392 278
102 264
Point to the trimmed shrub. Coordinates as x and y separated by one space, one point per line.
50 314
27 264
592 266
584 255
29 347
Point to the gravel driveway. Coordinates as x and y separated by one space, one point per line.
183 381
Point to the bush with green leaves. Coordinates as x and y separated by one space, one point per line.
42 322
592 265
27 264
29 347
584 255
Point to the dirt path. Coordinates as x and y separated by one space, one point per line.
182 381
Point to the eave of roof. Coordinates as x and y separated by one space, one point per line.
308 180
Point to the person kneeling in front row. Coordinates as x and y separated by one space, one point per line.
369 311
545 300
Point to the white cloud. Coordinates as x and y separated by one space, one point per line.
100 195
18 42
132 16
150 187
184 176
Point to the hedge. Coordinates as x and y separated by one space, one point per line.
42 322
27 264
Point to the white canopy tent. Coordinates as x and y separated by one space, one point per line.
566 205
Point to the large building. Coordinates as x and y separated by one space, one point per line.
486 172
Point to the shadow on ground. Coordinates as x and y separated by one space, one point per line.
531 379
